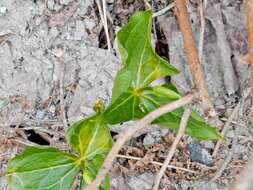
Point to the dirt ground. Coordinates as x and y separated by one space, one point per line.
54 65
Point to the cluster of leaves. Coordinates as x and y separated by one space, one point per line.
132 98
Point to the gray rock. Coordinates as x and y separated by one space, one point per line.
200 155
143 181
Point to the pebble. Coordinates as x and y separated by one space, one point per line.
3 11
200 155
148 140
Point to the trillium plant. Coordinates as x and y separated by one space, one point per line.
133 97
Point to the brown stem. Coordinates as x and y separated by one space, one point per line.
123 137
249 26
193 58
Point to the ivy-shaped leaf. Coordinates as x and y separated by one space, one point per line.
42 168
92 140
134 105
153 98
141 64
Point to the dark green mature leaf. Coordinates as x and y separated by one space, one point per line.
153 98
125 108
91 138
134 105
141 64
42 168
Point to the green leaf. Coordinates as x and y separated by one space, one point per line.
90 170
125 108
153 98
42 168
91 138
141 64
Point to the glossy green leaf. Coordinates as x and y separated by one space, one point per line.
42 168
91 138
141 64
125 108
153 98
136 104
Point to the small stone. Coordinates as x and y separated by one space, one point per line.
148 140
3 11
200 155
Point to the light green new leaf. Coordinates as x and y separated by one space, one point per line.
91 138
42 168
90 170
141 64
153 98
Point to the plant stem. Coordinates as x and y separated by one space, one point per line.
182 127
123 137
193 57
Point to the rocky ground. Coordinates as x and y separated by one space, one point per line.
54 59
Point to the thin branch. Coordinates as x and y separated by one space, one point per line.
106 25
249 26
193 58
131 130
164 10
155 163
103 16
225 128
202 5
147 4
182 127
228 159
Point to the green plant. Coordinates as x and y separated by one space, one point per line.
49 168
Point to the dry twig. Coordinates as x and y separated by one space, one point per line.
180 133
228 159
164 10
155 163
131 130
202 5
225 128
103 16
249 26
193 58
